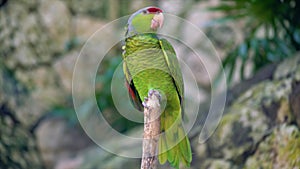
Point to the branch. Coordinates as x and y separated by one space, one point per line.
151 129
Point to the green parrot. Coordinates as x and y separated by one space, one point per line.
150 63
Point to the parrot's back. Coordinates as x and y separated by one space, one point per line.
146 67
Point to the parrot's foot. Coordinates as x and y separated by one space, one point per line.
154 92
151 93
145 102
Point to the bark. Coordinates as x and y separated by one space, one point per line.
151 129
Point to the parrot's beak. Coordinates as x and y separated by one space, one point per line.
157 21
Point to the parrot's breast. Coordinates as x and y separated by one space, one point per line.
147 66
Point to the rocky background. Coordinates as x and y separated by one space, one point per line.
40 41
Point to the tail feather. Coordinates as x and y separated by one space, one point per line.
175 162
163 156
174 146
171 152
185 147
185 163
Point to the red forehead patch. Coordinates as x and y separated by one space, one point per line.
154 10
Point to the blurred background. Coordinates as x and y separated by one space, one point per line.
258 42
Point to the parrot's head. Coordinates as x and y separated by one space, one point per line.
146 20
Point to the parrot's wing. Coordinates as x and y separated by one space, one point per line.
173 64
133 94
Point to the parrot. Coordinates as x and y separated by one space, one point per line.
150 63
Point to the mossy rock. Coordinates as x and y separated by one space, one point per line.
258 118
279 150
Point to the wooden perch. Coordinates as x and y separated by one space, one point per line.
151 129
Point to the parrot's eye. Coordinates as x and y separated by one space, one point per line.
145 11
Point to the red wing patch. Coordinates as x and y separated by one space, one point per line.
134 96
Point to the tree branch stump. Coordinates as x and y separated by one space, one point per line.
152 113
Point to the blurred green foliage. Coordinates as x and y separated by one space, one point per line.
104 99
103 92
103 81
271 32
65 111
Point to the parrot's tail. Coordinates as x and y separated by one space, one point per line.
174 145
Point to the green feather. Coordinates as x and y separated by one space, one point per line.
162 157
173 64
175 162
184 144
142 22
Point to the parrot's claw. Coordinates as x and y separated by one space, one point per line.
150 93
144 102
154 92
